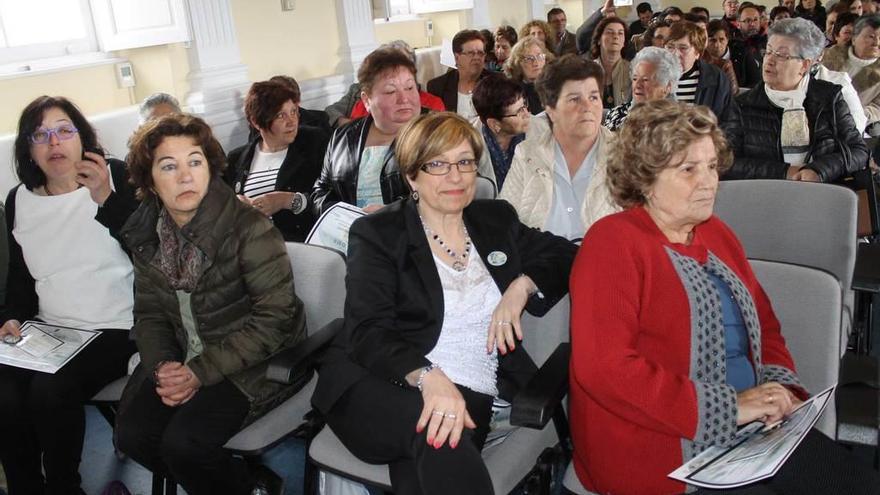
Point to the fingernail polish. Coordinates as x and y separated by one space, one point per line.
437 445
453 444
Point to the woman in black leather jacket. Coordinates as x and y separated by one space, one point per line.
359 167
792 126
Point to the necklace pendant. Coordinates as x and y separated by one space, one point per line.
458 266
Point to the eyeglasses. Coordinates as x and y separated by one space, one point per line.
784 57
519 112
532 59
474 53
292 115
678 48
466 166
62 132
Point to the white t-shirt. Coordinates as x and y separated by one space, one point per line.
264 172
82 276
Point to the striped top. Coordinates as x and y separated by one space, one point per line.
687 85
264 172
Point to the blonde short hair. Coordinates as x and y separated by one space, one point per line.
652 139
513 65
430 135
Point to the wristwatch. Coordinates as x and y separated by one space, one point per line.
298 203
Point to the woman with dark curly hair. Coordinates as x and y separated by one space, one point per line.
505 38
214 300
606 49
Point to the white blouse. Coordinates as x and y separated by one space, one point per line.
469 298
82 276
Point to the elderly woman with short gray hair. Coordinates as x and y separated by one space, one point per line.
792 126
859 59
655 75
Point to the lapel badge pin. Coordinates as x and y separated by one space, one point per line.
497 258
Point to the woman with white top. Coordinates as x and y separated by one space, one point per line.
275 172
67 268
435 286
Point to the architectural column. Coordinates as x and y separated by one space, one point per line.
217 78
536 10
478 16
357 32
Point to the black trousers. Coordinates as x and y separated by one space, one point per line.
376 421
817 467
187 441
42 417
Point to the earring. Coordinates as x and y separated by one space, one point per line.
415 196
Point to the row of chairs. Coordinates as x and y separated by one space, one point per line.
800 238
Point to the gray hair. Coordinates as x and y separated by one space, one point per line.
402 46
808 37
872 21
668 68
155 100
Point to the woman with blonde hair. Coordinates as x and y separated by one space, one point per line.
527 60
542 30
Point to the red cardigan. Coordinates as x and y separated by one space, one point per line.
636 404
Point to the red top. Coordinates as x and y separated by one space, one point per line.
632 398
426 99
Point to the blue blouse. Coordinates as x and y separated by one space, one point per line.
740 372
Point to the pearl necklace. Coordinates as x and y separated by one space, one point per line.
458 261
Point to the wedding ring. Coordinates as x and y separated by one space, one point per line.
439 413
502 322
451 416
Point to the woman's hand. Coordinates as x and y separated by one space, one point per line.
246 200
505 327
176 383
11 327
769 402
271 203
806 175
93 173
372 208
444 412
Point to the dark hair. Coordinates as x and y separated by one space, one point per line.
290 83
508 33
488 42
673 11
379 61
689 30
643 7
747 5
842 21
493 94
716 25
556 73
554 11
600 28
149 136
30 174
775 11
840 7
695 18
761 8
801 4
648 36
463 37
264 100
701 11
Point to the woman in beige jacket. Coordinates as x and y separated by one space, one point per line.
557 179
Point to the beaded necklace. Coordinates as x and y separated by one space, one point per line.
458 260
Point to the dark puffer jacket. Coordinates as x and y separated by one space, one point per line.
244 307
836 148
339 176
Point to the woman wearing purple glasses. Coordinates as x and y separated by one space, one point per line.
66 268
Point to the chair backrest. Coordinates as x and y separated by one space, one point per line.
808 305
319 281
485 188
862 182
802 223
542 335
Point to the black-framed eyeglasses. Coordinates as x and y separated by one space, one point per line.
466 166
523 110
62 132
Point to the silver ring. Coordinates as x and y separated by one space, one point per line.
439 413
451 416
502 322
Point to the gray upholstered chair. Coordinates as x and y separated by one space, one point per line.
513 462
807 303
803 223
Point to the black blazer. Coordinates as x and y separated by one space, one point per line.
446 88
394 302
298 173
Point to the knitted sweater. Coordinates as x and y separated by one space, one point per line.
648 387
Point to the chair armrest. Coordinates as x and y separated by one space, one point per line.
288 365
535 403
866 276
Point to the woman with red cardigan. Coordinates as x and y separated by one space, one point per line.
674 342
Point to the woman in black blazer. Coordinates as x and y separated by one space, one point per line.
435 287
275 172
